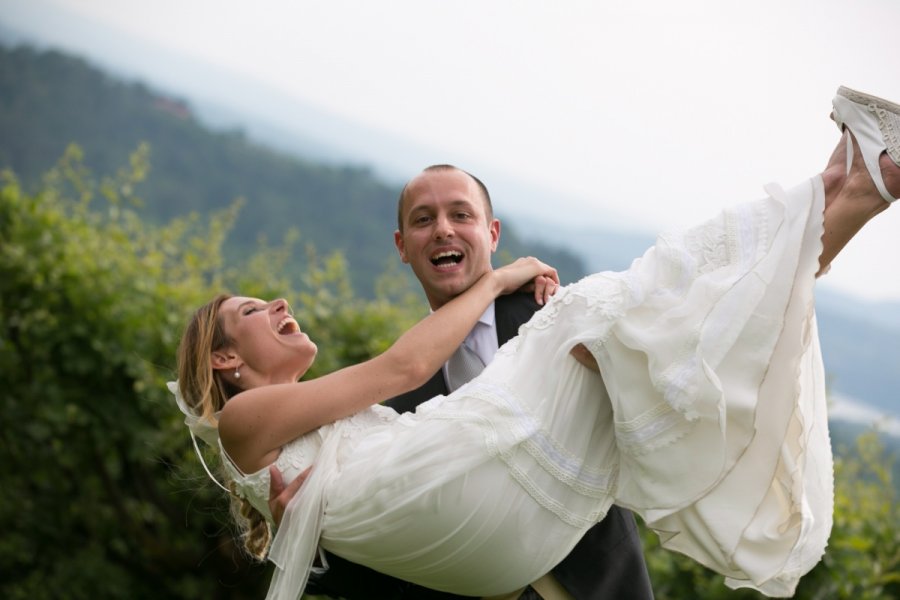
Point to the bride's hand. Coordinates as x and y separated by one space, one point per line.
528 274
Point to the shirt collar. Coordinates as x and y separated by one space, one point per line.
488 316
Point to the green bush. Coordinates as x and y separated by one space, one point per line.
102 496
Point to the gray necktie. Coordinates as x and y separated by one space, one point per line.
462 367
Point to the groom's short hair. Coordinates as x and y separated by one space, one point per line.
486 196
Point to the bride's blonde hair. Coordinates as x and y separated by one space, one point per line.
205 391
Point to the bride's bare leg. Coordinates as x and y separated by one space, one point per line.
851 199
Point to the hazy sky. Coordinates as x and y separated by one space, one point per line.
657 111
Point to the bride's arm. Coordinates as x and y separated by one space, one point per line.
259 421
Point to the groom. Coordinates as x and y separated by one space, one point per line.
447 233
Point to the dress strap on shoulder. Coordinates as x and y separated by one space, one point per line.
203 462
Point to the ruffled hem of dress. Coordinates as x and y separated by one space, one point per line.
797 524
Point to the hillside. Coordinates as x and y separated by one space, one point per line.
49 100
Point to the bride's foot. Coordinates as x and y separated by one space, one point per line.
848 177
862 177
875 127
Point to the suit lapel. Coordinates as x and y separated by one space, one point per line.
510 312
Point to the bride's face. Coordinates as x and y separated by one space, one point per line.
267 340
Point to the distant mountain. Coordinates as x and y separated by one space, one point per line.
861 351
49 100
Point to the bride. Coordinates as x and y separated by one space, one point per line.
705 414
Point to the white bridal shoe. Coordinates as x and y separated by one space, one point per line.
875 123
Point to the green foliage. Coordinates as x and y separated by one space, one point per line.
862 561
863 558
102 496
91 303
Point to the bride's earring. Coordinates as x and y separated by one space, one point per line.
237 373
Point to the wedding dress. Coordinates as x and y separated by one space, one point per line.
709 421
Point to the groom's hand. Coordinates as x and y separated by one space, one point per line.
279 495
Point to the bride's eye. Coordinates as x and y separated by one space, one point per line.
251 310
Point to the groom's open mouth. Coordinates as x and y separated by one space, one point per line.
446 258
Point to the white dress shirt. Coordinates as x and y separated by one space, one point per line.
483 338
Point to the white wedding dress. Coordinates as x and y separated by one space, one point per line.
709 421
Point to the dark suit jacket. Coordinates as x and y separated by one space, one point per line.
606 564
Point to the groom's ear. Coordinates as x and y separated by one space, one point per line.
494 229
401 246
224 359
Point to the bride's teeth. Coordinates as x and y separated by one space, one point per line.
284 323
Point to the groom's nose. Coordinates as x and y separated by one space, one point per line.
443 227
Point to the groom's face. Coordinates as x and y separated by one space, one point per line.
446 235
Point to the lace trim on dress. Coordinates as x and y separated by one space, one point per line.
555 506
725 251
563 465
252 487
637 436
605 295
546 452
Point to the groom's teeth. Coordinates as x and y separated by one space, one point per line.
441 257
